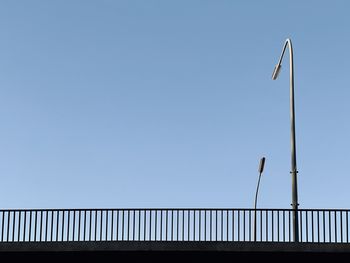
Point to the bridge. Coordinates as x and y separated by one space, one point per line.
174 230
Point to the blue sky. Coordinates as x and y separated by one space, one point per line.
171 103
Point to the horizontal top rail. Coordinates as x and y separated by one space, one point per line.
167 208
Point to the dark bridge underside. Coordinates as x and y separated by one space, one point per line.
163 251
158 246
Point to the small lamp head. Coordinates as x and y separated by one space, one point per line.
261 165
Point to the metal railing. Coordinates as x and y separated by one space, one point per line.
272 225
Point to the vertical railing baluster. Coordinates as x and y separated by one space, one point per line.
194 225
79 223
329 226
335 227
188 224
210 225
278 225
261 225
117 230
227 217
239 224
117 223
30 225
150 225
312 225
222 225
249 221
13 225
205 225
51 237
9 229
112 224
90 224
8 225
151 229
57 224
267 224
96 225
84 229
289 223
172 225
155 222
144 225
19 226
200 224
101 225
217 224
184 225
63 215
177 223
74 211
2 226
16 228
139 226
9 234
284 226
318 226
324 226
107 213
272 225
133 225
68 224
233 225
24 226
347 227
341 226
41 225
166 225
301 225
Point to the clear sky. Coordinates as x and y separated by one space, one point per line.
171 103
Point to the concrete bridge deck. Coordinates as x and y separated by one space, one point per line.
173 251
174 246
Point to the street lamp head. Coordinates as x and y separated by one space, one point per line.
276 71
261 165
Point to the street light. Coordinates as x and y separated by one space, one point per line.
292 139
261 169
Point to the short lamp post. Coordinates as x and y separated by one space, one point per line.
261 169
293 148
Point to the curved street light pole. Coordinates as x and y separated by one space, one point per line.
293 147
261 169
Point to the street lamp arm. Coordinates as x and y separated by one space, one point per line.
278 65
289 44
